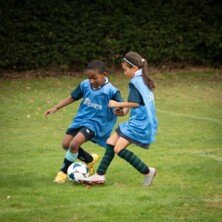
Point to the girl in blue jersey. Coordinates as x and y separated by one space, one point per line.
141 127
94 120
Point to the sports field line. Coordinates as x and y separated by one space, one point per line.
191 116
40 208
211 156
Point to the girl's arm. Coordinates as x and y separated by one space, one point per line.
61 104
113 103
118 110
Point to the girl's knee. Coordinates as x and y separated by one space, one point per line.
73 146
65 146
118 149
110 142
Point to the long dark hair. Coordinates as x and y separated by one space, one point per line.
135 59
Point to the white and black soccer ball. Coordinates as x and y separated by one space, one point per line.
77 171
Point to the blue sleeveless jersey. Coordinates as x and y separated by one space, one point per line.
94 112
142 124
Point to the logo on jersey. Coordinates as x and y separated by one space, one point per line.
88 102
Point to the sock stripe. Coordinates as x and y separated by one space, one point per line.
134 160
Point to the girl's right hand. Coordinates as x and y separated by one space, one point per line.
119 111
50 111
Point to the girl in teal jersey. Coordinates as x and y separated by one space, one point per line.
141 127
94 120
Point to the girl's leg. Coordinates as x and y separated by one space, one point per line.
129 156
89 159
66 141
108 155
72 152
82 154
70 156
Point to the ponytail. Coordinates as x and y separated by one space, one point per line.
145 74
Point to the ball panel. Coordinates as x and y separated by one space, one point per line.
77 171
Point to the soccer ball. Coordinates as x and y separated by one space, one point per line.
77 171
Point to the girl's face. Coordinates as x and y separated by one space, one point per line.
128 71
96 79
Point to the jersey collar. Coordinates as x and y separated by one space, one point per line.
106 81
138 73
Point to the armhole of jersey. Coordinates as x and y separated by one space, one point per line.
138 93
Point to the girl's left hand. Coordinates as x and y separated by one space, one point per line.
113 103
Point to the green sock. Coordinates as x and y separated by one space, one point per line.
134 161
106 160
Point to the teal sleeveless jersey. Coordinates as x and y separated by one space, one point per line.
94 112
142 124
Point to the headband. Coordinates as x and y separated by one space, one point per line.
142 60
128 61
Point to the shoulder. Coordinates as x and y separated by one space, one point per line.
84 82
139 84
111 87
137 80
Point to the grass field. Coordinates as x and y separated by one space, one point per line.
187 155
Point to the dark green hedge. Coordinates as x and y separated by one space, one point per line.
36 34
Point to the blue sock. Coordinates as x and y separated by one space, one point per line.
71 156
69 159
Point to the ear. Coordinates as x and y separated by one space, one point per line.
135 68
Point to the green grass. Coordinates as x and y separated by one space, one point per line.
187 155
